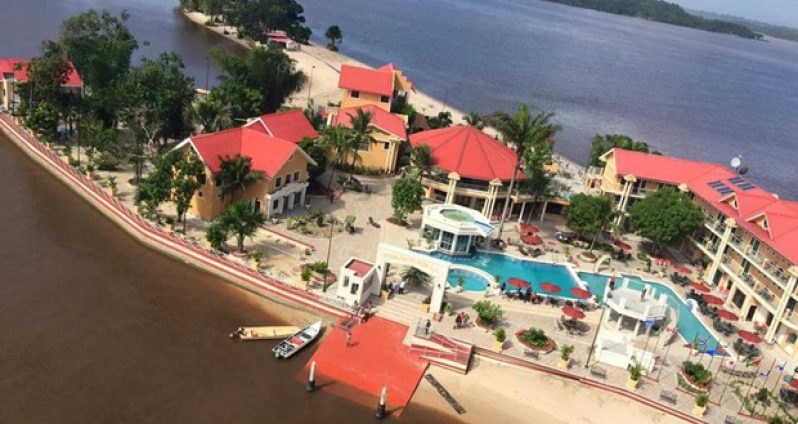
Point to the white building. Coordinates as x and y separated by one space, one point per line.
357 281
454 229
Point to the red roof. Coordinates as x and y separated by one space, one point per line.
366 80
268 153
7 67
393 68
752 202
380 118
290 125
360 268
469 152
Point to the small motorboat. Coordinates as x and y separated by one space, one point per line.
263 333
295 343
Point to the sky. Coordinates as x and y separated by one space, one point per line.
780 12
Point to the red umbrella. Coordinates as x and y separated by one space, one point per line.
572 312
528 228
532 239
581 293
550 287
711 299
518 283
749 337
623 246
727 315
682 269
699 287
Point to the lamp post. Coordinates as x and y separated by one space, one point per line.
329 249
595 337
310 82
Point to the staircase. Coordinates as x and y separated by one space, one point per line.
401 308
443 352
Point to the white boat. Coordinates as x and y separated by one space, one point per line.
295 343
263 333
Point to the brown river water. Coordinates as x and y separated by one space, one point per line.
95 327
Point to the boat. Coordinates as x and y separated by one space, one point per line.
295 343
263 333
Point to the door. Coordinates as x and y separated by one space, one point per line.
256 205
751 312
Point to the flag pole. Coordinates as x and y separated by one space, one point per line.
667 350
726 386
750 387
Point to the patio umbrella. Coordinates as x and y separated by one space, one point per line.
621 245
749 337
699 287
581 293
711 299
681 269
727 315
532 239
528 228
572 312
550 287
518 283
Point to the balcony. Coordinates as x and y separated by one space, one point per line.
715 226
768 269
760 292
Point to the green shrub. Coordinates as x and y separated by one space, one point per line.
319 266
501 334
306 274
635 372
697 373
449 309
566 351
488 312
535 337
702 400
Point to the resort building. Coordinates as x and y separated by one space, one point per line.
454 229
290 125
283 163
357 281
11 77
473 169
748 245
388 130
381 87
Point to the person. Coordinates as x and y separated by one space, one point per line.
426 327
643 294
348 338
402 287
390 288
458 320
503 286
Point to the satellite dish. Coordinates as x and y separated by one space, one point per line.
742 170
736 162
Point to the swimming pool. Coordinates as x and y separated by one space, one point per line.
688 325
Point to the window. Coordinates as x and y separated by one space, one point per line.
346 281
354 94
386 146
199 194
355 287
218 181
385 99
288 179
363 147
278 182
276 205
738 298
201 180
296 176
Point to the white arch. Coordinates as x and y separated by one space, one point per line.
437 269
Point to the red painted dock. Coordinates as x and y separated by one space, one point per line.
375 358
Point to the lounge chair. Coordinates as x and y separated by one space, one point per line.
669 396
598 371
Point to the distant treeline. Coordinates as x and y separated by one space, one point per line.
661 11
775 31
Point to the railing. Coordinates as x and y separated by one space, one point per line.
759 289
767 268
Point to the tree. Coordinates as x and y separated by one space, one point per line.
590 215
666 217
43 120
524 132
415 276
185 184
317 153
338 141
360 135
46 75
254 18
475 120
407 196
157 187
99 139
334 35
217 235
258 83
604 143
441 120
237 174
421 159
212 115
242 220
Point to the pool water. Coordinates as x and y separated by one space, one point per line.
472 281
456 215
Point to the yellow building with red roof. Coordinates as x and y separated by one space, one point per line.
14 71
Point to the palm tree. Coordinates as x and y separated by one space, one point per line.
361 136
212 115
475 120
237 174
338 141
415 276
526 133
421 159
335 36
242 220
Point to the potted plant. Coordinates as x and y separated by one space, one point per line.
111 180
67 154
501 335
90 171
275 218
384 293
535 339
255 258
170 222
305 275
487 313
460 284
634 376
565 356
425 304
700 407
449 309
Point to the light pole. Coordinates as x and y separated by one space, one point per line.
329 249
310 82
595 337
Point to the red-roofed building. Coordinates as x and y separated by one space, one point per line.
282 162
749 242
470 168
388 130
357 281
290 125
380 87
10 76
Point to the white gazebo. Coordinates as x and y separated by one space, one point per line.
644 308
454 229
357 281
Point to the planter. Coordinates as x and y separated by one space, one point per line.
563 364
691 385
385 294
498 346
485 326
254 264
544 349
589 258
49 145
632 384
240 255
90 176
303 284
114 191
699 411
425 307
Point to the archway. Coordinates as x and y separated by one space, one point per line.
438 270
